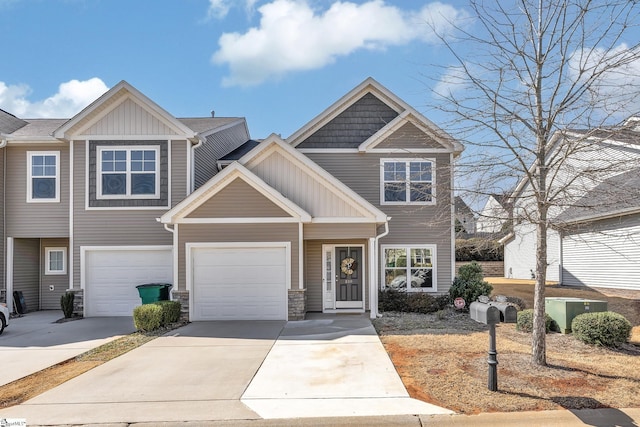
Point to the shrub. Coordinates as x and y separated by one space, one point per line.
524 321
477 249
413 302
66 303
147 317
607 329
469 284
392 300
170 311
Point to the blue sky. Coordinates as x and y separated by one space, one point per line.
278 63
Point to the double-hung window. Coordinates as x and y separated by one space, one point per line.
128 172
407 181
56 261
410 268
43 180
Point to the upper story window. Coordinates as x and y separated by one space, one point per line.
43 182
407 181
128 172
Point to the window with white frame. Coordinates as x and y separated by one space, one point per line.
417 263
407 181
43 181
56 259
128 172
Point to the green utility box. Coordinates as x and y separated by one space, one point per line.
153 292
563 310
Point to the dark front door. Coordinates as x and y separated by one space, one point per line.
348 277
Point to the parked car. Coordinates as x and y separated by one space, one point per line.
4 316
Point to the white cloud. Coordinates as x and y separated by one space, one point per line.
72 96
292 36
220 8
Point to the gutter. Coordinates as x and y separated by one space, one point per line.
373 309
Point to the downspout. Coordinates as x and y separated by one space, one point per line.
373 309
191 167
174 253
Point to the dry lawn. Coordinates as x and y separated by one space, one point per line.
442 359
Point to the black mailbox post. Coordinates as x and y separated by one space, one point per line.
489 315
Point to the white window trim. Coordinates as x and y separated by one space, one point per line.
128 172
30 177
48 252
408 181
434 263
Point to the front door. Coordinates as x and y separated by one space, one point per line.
348 268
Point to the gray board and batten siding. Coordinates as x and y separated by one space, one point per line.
122 227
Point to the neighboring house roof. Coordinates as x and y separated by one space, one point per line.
10 123
344 126
615 196
37 129
461 207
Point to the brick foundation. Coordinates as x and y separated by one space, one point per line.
297 304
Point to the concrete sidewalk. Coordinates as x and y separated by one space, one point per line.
34 342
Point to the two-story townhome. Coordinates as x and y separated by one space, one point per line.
81 198
358 199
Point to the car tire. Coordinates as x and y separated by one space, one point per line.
3 323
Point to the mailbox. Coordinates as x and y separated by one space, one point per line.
484 313
508 313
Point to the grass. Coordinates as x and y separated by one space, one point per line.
32 385
442 359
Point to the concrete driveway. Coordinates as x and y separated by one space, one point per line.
35 342
209 371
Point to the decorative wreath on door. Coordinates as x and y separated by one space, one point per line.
348 265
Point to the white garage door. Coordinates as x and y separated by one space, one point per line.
239 283
111 277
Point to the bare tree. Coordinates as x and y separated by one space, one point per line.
526 74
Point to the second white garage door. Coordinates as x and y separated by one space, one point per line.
111 276
239 283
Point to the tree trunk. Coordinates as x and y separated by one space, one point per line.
539 337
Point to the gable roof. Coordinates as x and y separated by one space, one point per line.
219 182
109 101
403 113
328 181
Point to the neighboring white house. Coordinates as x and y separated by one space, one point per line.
494 214
594 226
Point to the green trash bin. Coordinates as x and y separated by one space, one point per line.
154 292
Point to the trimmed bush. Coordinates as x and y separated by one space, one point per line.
170 311
607 329
477 249
518 302
524 322
147 317
411 302
469 284
66 303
